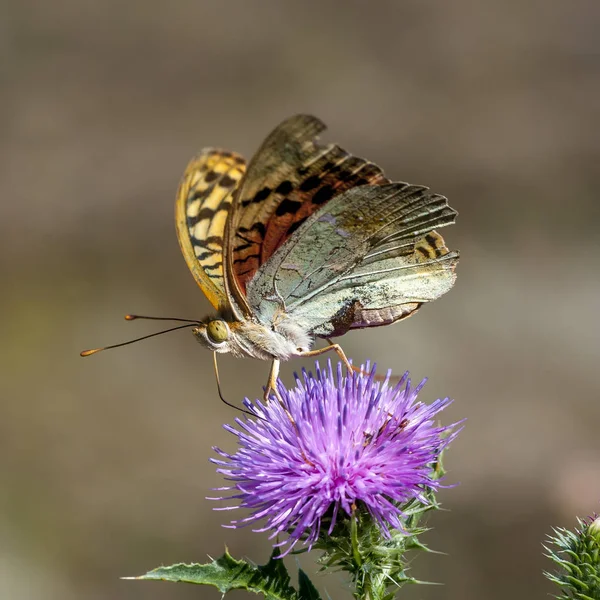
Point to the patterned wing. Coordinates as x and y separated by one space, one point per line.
290 177
384 288
359 261
201 209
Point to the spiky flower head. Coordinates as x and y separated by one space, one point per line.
594 528
577 554
335 444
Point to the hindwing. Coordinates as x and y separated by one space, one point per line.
369 257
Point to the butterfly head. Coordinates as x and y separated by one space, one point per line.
214 334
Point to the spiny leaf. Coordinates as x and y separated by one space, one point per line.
306 588
226 573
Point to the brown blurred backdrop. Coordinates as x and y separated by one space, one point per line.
495 104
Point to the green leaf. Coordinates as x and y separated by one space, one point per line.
306 588
226 573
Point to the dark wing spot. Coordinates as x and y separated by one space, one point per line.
239 261
325 194
210 176
206 242
295 225
258 227
245 246
284 188
205 213
227 181
310 184
433 243
262 194
343 319
201 194
211 267
288 207
204 255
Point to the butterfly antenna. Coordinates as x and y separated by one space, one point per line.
134 317
221 394
144 337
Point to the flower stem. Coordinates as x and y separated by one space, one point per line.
354 539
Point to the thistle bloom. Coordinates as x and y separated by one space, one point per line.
338 443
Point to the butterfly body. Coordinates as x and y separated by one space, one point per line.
249 339
304 242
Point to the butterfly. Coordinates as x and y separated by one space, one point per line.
306 241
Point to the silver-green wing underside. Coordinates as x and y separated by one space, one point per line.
369 257
381 292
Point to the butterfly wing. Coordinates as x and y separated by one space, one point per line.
289 178
359 261
382 289
201 209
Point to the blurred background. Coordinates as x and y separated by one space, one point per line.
496 105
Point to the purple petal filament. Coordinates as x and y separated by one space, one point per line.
352 440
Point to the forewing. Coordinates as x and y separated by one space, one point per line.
289 178
201 210
361 237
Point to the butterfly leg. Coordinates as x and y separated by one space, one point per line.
272 382
272 389
336 348
358 369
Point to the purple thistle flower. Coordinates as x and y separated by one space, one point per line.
352 443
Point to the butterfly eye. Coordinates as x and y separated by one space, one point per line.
218 332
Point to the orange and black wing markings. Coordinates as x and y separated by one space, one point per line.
290 177
201 211
324 182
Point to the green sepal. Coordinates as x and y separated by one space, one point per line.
227 573
576 553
